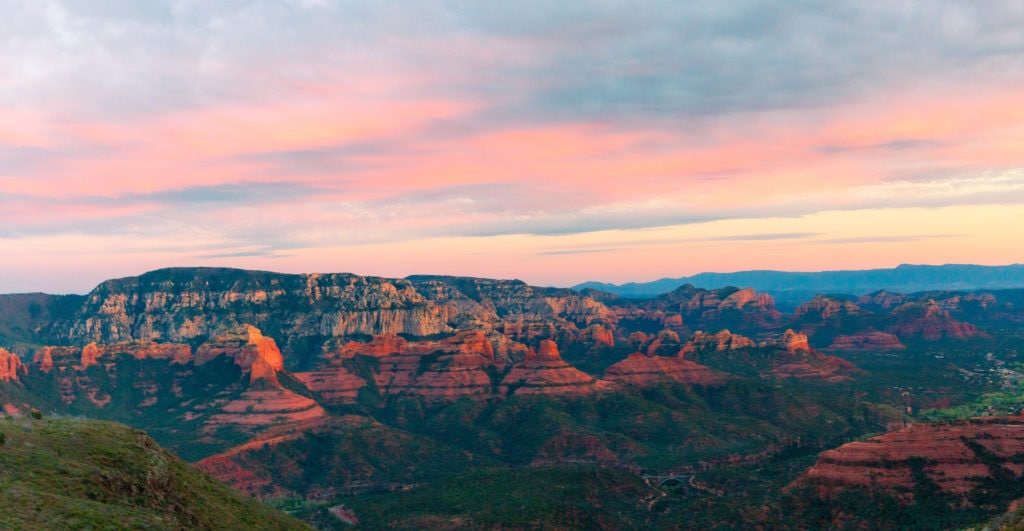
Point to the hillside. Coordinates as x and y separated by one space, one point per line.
78 474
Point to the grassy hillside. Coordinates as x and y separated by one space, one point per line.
77 474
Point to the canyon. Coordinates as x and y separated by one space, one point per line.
227 365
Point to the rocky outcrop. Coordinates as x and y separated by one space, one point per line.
822 308
648 371
435 369
243 479
598 334
959 301
335 385
747 297
546 373
884 300
930 322
871 341
666 340
958 457
176 305
259 408
793 357
790 341
720 341
92 354
255 353
10 366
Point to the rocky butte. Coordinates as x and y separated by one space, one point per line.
959 457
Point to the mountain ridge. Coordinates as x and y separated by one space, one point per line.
790 287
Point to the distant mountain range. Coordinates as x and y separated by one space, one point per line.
790 288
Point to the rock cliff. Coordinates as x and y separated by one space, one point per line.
870 341
959 457
646 371
929 321
822 308
178 305
547 373
10 366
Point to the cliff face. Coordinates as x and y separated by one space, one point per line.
180 305
646 371
870 341
721 341
689 309
254 353
822 308
958 457
547 373
10 366
189 305
929 321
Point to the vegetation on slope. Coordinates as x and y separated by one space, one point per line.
77 474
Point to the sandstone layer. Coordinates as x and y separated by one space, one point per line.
957 456
547 373
646 371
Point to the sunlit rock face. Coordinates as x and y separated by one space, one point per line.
720 341
547 373
822 308
957 456
177 305
929 321
10 366
647 371
871 341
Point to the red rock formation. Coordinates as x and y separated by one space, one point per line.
930 322
44 359
882 299
453 376
647 371
223 469
740 299
883 462
527 331
546 373
178 353
437 369
667 339
870 341
598 334
794 342
258 408
378 347
89 355
819 367
508 351
336 385
721 341
10 366
251 350
955 302
821 308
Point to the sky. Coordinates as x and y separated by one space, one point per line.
555 142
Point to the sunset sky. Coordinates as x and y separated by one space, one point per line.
554 142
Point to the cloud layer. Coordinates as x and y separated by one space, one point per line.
302 134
